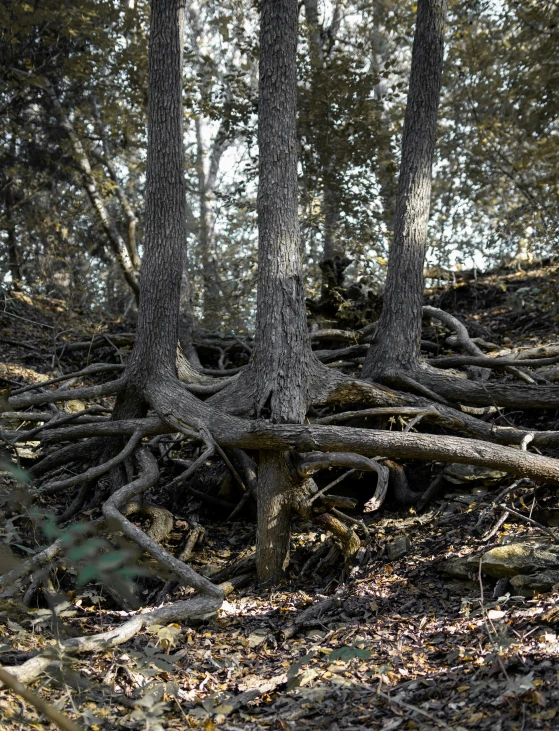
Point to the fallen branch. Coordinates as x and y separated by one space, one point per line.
531 521
311 614
90 370
94 472
43 557
62 721
465 341
50 397
200 607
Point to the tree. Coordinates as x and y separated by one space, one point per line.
262 408
396 346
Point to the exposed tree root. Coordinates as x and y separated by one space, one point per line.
149 475
95 472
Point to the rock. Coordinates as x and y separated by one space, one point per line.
398 548
520 558
460 568
541 582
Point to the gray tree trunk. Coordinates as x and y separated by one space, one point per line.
396 346
155 349
282 353
330 200
14 257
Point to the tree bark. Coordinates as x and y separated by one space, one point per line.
396 345
157 332
330 199
282 352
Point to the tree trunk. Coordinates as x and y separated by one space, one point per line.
12 246
206 187
330 200
155 348
282 353
396 345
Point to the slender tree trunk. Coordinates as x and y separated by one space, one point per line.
205 234
155 349
396 345
12 245
117 243
330 201
282 353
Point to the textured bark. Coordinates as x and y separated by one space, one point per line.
157 333
282 352
396 345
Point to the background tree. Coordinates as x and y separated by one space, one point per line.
396 346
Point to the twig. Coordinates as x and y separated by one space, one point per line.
62 721
504 515
526 519
320 493
415 709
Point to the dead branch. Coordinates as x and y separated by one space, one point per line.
531 521
50 397
43 557
98 341
464 340
94 472
311 614
310 463
87 416
347 537
58 718
86 450
379 411
455 361
90 370
200 607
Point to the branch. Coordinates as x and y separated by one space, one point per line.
50 397
62 721
463 338
200 607
88 371
40 559
94 472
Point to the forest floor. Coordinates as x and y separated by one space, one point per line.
399 643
